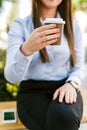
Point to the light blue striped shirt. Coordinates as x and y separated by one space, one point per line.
19 67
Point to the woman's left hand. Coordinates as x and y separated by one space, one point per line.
67 92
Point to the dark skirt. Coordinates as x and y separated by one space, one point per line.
38 111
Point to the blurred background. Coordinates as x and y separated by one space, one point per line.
10 10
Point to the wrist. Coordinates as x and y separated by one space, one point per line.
25 51
73 84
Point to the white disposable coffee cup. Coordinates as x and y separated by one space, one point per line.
60 24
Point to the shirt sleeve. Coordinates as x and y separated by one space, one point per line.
16 63
77 73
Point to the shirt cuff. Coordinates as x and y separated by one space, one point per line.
75 79
21 59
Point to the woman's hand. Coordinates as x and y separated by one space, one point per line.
67 92
40 38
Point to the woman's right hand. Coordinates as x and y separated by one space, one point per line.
40 38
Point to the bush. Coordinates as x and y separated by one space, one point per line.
8 92
80 5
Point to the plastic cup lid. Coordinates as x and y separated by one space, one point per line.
54 20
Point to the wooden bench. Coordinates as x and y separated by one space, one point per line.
19 126
9 126
84 96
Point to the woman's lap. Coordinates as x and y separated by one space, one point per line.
39 112
36 109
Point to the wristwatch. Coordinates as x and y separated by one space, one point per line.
74 84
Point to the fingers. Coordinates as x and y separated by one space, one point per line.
56 94
49 32
70 98
46 27
73 98
48 42
49 37
67 97
61 96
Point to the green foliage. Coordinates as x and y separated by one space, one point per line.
12 89
2 60
8 92
80 5
14 1
0 3
13 12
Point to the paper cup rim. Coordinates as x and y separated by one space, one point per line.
54 20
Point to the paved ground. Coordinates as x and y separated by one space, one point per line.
83 126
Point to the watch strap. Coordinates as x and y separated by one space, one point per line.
74 84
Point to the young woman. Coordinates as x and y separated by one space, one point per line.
50 76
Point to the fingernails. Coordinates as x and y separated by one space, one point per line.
60 100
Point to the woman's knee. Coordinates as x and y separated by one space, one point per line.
62 112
